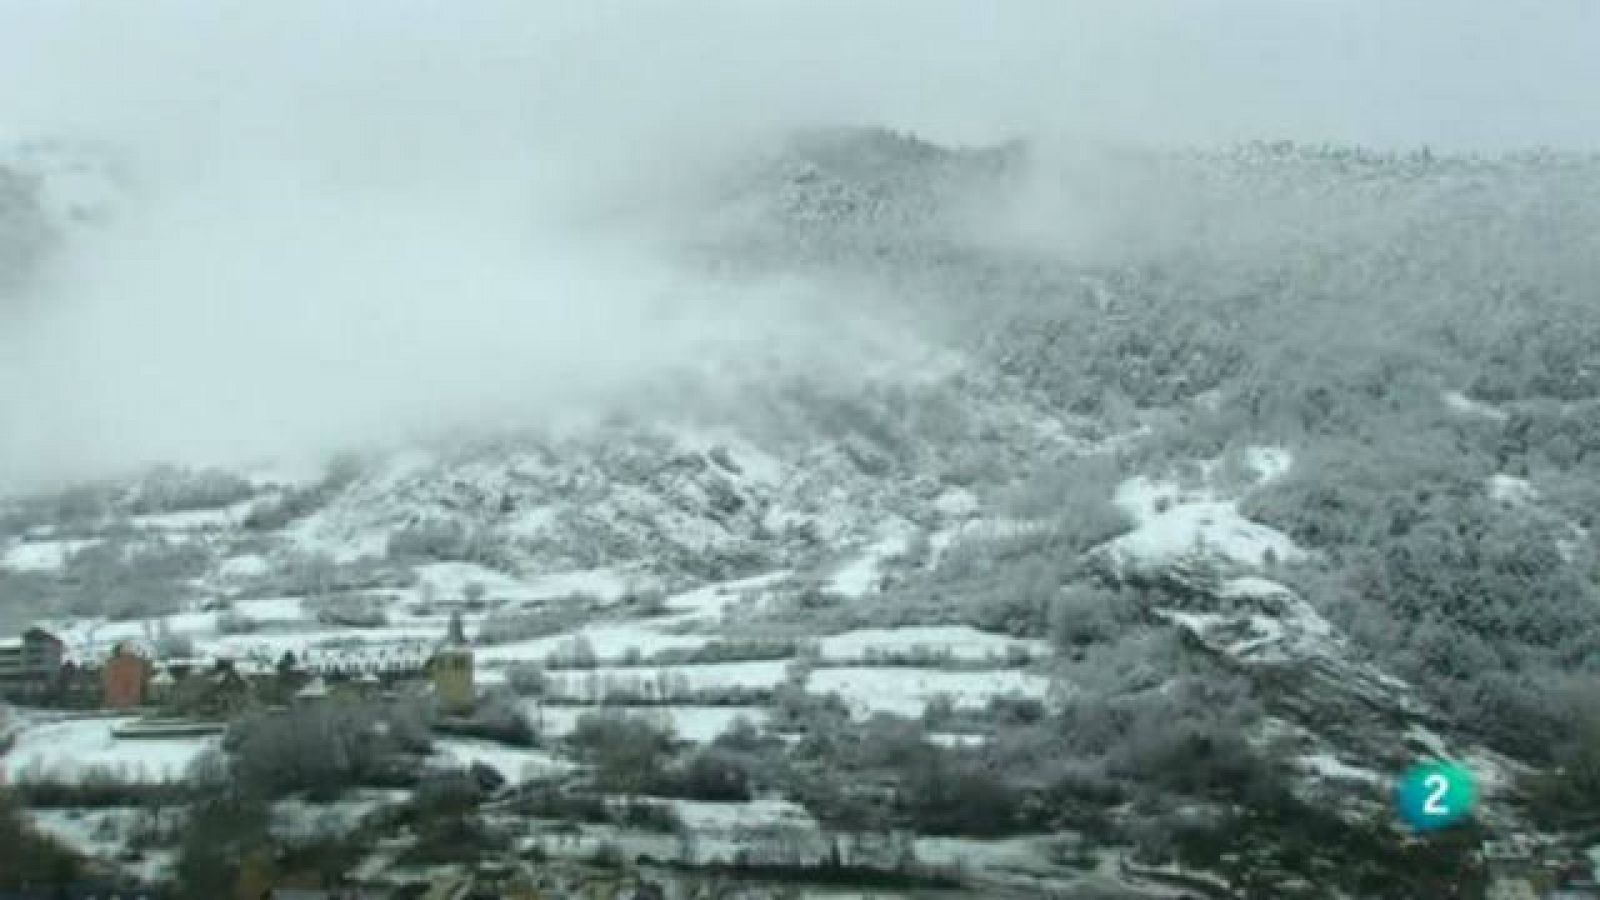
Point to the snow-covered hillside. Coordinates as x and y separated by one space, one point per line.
1068 533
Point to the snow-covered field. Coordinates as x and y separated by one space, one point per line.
906 691
299 819
515 763
102 834
709 602
708 676
41 556
67 750
610 643
700 724
958 642
729 819
273 611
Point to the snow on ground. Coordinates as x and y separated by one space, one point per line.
1461 403
102 833
93 639
1018 852
532 522
989 529
752 463
1510 490
66 750
607 584
906 691
515 763
708 602
1497 775
284 626
957 739
317 535
1253 586
195 519
701 677
859 576
700 724
725 831
346 643
1199 624
1326 765
299 819
735 819
41 556
957 503
1145 498
247 566
450 579
609 642
272 610
959 642
1211 528
1268 624
1428 740
1269 463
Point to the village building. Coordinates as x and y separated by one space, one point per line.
77 686
389 661
451 671
219 693
365 687
125 678
160 687
30 665
315 690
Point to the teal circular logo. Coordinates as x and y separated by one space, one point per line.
1435 795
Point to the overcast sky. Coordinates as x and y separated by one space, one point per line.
1378 71
353 212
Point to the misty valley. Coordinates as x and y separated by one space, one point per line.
864 516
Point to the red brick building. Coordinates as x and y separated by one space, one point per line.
125 676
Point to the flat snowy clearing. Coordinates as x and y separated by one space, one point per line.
906 691
959 642
609 642
515 763
41 556
67 750
709 676
700 724
710 601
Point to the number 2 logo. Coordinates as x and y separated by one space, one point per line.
1438 786
1434 795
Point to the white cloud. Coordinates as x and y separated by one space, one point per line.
359 217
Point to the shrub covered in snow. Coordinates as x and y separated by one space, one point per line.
629 753
324 748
